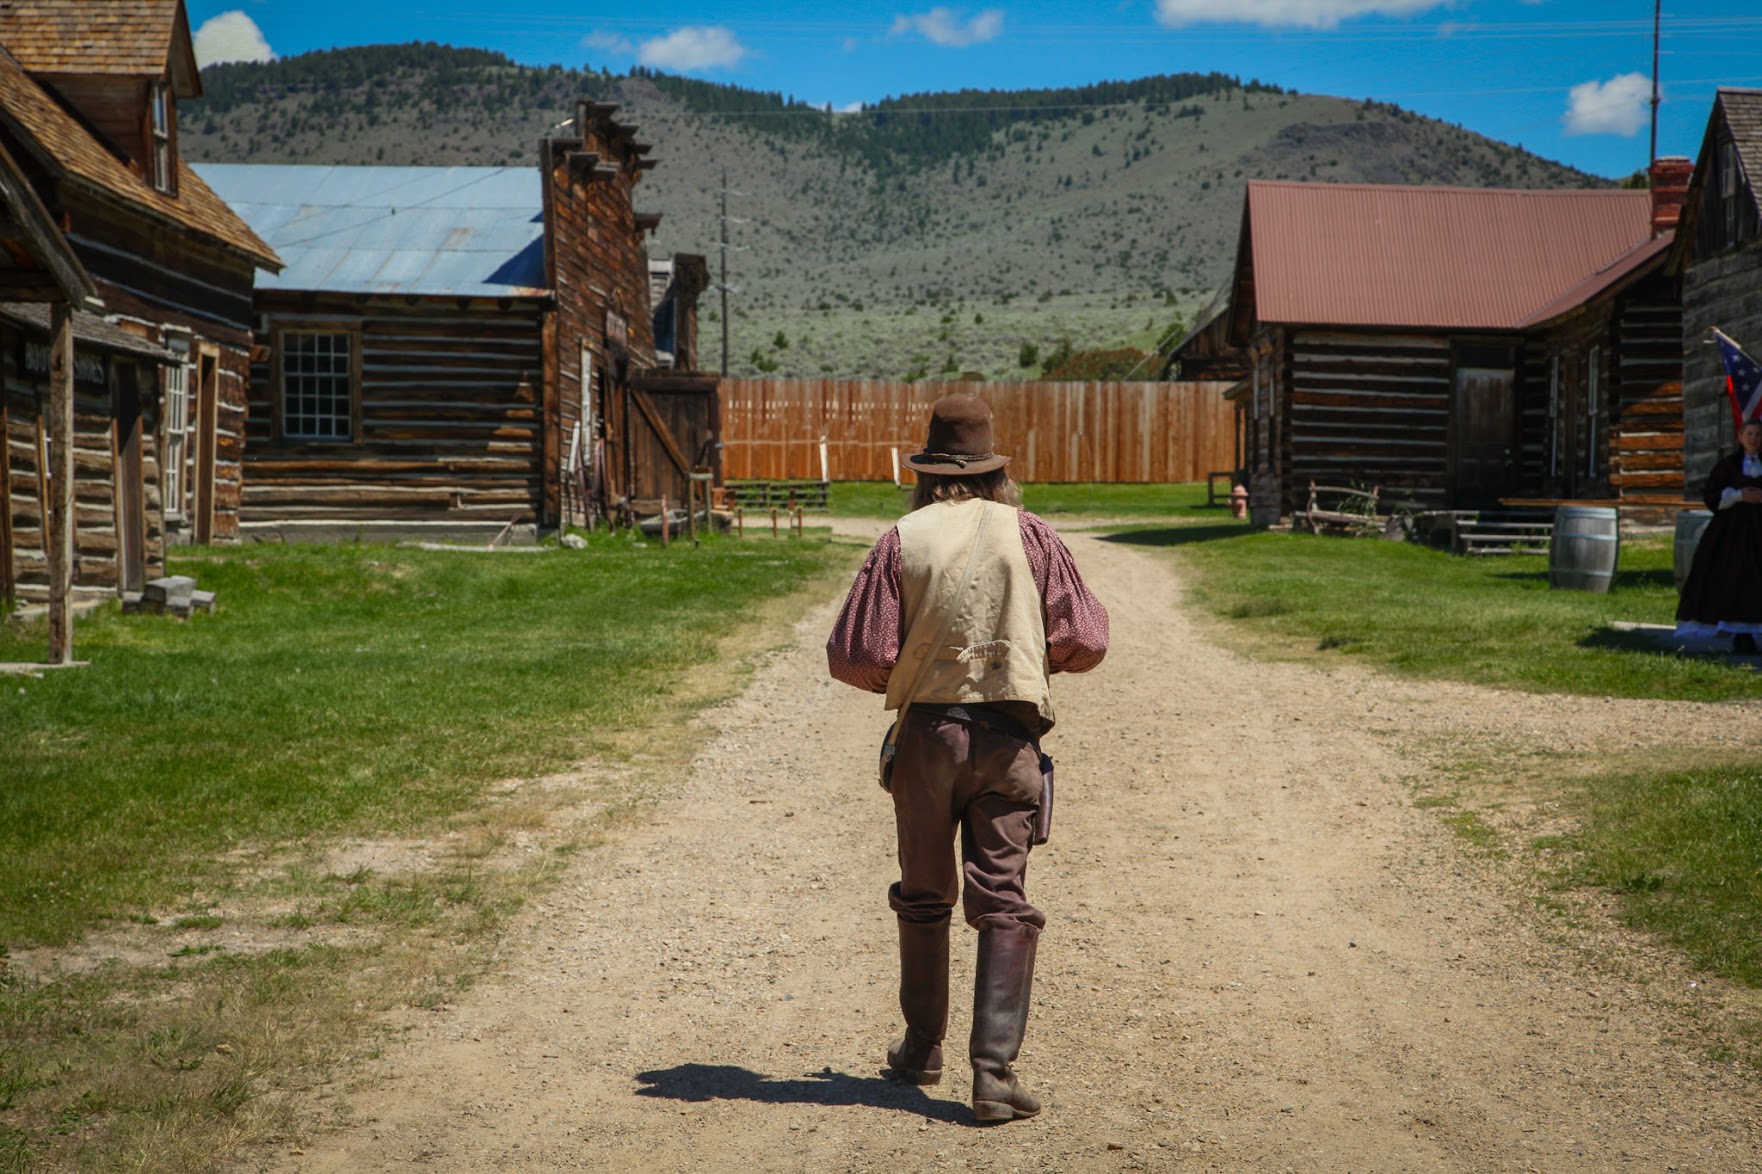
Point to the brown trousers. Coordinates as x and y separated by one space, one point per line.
948 775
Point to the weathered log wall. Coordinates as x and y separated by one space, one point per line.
1723 291
100 485
447 413
1645 443
164 285
1111 432
1368 409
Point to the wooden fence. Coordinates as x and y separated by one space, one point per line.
772 429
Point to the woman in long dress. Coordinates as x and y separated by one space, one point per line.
1723 593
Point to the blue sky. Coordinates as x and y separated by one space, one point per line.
1568 79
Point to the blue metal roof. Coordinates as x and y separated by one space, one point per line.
475 231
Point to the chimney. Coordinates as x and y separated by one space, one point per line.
1670 183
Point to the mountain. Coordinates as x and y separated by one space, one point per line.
967 231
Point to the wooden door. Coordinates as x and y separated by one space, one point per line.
673 428
131 491
1483 420
207 436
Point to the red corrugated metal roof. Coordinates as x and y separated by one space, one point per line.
1464 258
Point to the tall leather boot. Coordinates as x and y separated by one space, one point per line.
1000 1016
923 997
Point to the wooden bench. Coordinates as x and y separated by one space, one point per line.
1339 509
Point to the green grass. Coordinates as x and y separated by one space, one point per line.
1425 613
1683 848
339 690
879 499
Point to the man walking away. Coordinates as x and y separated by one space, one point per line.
960 615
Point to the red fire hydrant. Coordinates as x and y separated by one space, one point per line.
1239 501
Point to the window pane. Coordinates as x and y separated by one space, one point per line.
317 391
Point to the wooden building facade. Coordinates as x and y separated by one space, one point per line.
454 349
1456 347
628 433
398 384
88 110
1719 259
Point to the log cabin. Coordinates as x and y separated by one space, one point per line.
452 350
1718 255
88 112
1457 347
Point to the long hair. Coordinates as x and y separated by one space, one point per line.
993 486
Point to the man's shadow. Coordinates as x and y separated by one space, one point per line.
725 1082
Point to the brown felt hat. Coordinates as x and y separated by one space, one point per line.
960 439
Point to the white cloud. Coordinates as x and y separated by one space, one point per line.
606 42
1313 14
946 26
1615 107
851 108
694 47
231 36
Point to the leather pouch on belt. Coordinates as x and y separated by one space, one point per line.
885 772
1043 813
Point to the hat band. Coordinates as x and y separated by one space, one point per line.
957 458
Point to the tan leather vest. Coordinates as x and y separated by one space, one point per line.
995 649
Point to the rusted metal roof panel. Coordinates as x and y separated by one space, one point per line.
1459 258
118 37
74 152
476 231
1630 266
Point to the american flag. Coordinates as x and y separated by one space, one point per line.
1743 380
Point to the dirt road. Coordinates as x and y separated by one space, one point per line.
1260 955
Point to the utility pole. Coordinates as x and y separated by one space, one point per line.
1657 17
724 219
726 248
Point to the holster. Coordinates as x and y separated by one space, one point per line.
1043 814
884 773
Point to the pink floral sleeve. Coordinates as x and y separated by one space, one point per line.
1076 622
864 645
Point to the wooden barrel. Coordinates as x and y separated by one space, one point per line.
1584 549
1689 524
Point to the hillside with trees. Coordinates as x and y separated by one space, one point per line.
923 235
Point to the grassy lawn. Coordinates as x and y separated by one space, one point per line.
194 781
1425 613
1681 847
879 499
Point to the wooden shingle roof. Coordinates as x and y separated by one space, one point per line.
71 153
1743 117
124 38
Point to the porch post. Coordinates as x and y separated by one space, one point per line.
61 519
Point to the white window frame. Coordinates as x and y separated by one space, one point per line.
315 386
174 463
160 163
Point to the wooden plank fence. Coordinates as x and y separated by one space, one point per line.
772 429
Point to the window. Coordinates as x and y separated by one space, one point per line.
1554 416
1593 407
177 430
160 146
317 386
1728 190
